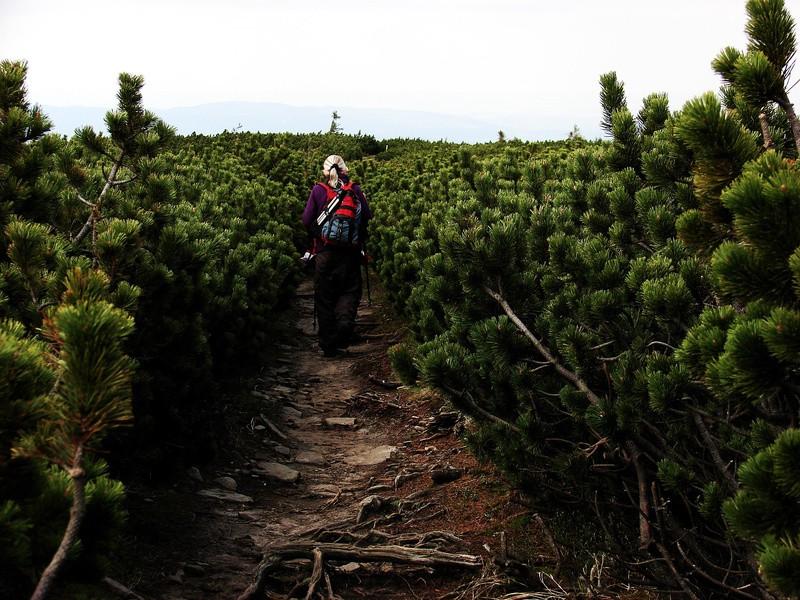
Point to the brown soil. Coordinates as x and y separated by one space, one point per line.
189 546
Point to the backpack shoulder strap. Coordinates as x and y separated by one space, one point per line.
328 189
334 199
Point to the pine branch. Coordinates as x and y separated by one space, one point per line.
765 133
125 181
791 115
645 530
465 395
714 451
711 579
543 350
85 201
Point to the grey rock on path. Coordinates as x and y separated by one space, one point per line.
277 471
308 457
225 495
345 422
371 456
229 483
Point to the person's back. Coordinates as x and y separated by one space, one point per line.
336 216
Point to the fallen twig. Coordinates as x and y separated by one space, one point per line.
333 500
121 590
389 385
371 397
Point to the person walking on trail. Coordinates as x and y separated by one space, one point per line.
336 216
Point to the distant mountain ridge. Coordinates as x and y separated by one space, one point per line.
273 117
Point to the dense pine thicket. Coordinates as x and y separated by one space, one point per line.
622 321
136 270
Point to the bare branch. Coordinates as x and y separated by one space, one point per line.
765 133
543 350
87 227
788 108
125 181
681 581
659 343
645 531
465 395
717 582
714 452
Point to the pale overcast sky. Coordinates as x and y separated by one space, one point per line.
536 58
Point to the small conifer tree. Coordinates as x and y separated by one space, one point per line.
759 77
91 394
135 135
335 127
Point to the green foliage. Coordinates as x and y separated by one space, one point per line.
645 339
757 81
770 30
94 386
766 509
195 243
658 275
612 99
401 357
654 113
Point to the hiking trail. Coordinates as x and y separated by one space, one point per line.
337 484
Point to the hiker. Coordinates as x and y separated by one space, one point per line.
337 248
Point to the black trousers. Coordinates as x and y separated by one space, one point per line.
337 292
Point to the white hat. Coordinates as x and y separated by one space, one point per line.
333 159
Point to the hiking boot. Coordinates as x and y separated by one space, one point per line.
350 339
333 352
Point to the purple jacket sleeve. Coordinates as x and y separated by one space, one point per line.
315 203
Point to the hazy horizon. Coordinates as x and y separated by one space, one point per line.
267 117
528 67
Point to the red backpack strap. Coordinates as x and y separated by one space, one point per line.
331 193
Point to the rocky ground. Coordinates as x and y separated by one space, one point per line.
336 484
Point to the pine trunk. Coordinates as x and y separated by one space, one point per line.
76 514
788 108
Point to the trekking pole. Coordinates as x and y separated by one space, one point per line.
365 257
369 293
314 322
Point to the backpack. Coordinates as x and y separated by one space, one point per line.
341 228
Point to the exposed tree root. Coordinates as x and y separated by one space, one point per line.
316 574
375 398
318 553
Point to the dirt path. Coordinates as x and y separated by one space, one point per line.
326 453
